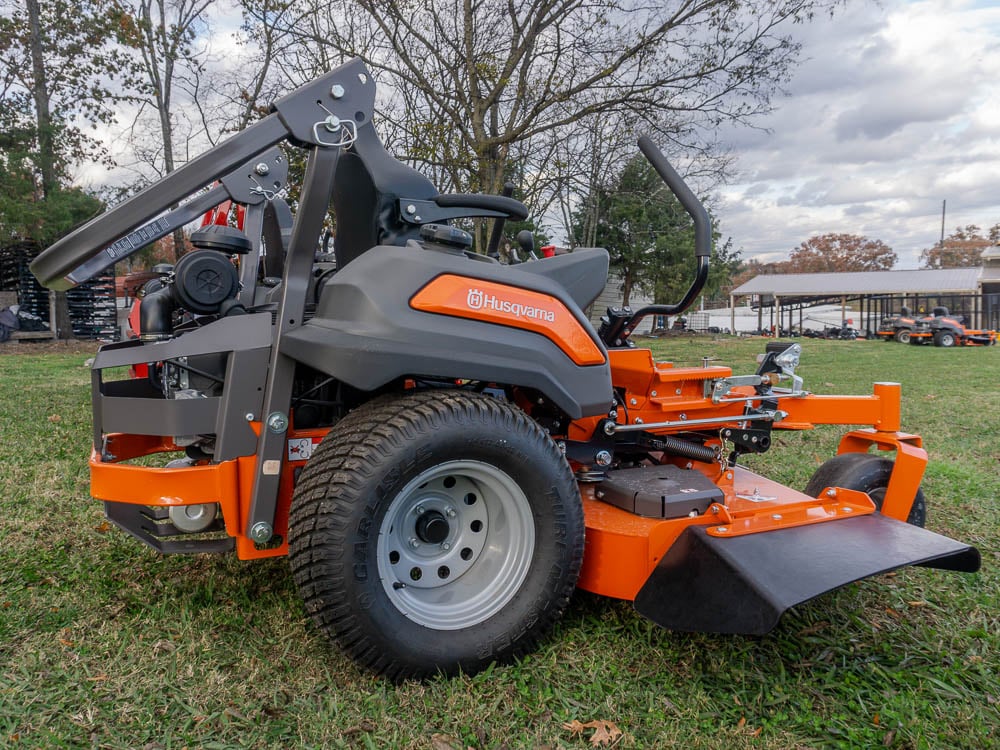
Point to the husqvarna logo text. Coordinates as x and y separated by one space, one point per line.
477 299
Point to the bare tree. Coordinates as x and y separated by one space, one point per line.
485 81
163 34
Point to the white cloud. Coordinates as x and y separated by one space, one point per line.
895 108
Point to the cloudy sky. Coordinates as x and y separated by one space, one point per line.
895 108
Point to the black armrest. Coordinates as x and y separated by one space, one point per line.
513 208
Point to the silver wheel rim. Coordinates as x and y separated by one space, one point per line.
455 545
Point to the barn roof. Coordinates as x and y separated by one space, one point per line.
939 281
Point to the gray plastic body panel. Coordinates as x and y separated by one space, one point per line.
583 282
366 334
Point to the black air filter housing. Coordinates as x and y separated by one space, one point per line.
223 238
203 280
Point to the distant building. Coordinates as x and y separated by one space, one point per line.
782 299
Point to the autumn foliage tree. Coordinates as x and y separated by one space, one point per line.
963 248
828 253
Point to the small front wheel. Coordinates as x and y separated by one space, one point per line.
903 336
436 532
864 472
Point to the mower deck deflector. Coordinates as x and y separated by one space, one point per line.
744 584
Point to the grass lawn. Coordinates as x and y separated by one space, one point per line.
104 643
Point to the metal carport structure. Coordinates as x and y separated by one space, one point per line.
879 293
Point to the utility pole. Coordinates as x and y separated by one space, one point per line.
943 204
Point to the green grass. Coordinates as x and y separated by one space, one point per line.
103 643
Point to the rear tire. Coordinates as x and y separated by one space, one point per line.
902 336
945 338
864 472
435 533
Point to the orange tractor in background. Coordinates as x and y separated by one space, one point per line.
946 330
441 444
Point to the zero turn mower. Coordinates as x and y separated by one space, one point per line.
442 445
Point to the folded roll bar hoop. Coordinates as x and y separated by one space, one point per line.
702 233
326 113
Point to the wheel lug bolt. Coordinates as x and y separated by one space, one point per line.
414 543
419 510
450 512
445 546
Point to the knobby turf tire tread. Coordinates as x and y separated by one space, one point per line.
361 444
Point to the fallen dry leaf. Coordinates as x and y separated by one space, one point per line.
917 604
889 737
55 418
605 732
444 742
102 527
742 722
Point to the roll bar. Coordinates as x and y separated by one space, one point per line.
620 324
702 232
326 113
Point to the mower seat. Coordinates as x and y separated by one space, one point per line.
366 188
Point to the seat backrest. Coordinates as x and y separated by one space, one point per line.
368 184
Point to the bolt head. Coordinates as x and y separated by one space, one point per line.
261 531
450 512
332 123
262 168
337 91
249 416
831 492
277 422
414 543
419 510
445 546
652 393
632 402
410 208
603 458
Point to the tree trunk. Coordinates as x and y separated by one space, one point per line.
627 282
46 147
46 151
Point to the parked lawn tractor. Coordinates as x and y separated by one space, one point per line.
948 330
897 327
442 445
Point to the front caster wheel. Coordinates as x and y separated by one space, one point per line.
865 472
435 533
